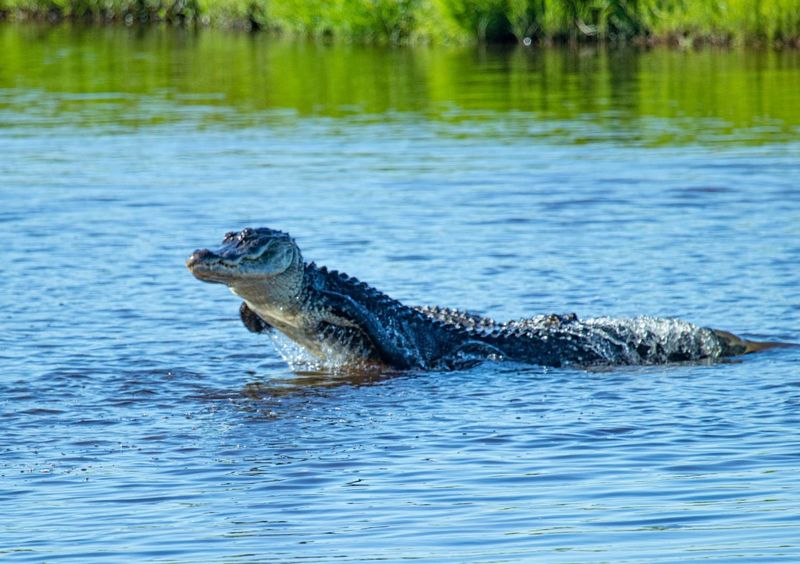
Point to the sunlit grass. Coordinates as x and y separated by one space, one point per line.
726 20
398 21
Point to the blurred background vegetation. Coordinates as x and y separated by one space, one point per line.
688 22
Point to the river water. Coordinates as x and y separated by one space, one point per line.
141 421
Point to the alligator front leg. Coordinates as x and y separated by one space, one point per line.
252 321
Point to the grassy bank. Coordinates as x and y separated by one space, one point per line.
775 22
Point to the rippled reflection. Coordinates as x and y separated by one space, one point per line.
114 78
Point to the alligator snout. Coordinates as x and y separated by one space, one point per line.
198 257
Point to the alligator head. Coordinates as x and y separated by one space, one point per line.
262 266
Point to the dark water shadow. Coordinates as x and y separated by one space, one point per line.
311 382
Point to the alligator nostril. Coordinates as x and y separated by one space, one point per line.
199 256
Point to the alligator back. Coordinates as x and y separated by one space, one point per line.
556 340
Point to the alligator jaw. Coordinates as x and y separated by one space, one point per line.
226 266
208 266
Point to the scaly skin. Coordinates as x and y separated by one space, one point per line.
336 316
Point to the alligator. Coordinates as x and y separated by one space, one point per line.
334 315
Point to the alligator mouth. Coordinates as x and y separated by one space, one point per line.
211 267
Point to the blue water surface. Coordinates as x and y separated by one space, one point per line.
141 421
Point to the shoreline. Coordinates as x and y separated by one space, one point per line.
401 22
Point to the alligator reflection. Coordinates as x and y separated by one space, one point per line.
308 382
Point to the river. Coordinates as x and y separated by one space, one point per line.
141 421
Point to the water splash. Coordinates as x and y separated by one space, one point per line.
297 357
645 340
336 359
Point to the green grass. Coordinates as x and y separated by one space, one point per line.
399 21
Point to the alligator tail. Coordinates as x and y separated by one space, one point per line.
733 345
